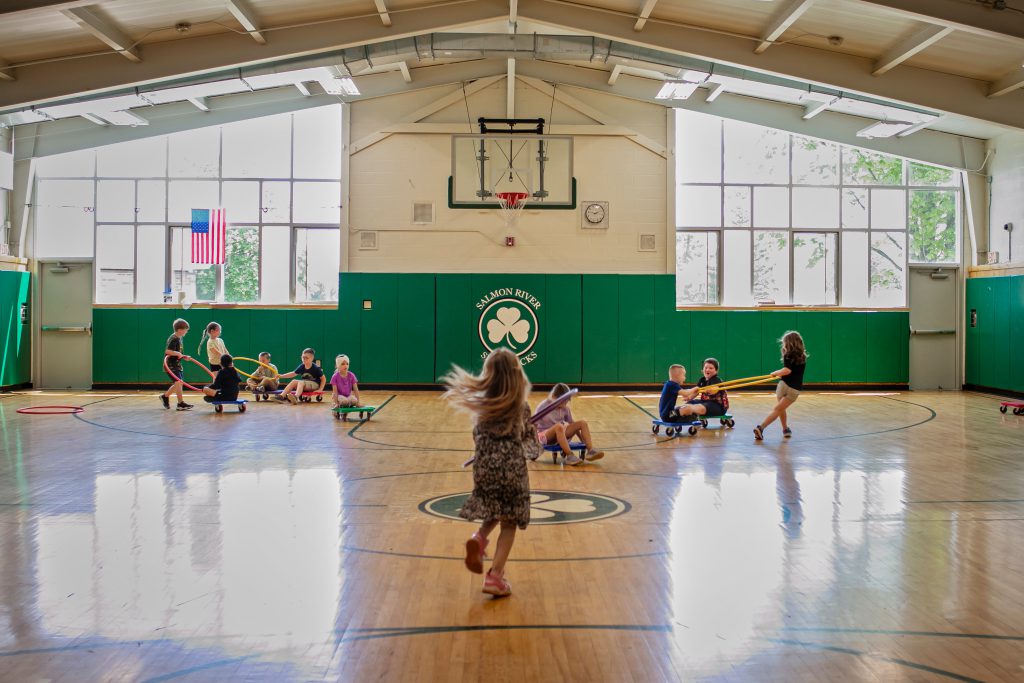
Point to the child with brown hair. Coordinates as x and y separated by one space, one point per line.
791 381
504 439
174 355
559 427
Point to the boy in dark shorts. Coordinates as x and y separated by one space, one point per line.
670 392
707 404
174 356
225 384
309 377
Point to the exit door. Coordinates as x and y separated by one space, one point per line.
65 325
934 347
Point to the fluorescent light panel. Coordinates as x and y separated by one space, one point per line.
188 92
674 90
339 86
884 129
107 104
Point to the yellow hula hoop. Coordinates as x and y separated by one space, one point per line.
253 360
743 381
739 386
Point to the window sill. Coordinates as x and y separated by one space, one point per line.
317 306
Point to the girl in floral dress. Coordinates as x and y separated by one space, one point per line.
504 439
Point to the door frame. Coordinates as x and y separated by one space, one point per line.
37 308
958 275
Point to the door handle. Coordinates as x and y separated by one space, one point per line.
68 328
930 332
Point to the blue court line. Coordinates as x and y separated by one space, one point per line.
196 669
868 655
951 502
895 632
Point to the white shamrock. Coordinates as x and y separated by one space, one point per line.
542 507
508 322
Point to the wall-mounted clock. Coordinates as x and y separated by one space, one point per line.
594 214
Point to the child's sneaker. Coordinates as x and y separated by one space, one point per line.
572 459
166 401
293 399
280 398
759 433
184 406
497 585
475 547
787 432
594 454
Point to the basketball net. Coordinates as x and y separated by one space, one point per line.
511 205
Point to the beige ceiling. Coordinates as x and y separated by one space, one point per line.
727 31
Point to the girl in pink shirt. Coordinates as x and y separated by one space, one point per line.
558 426
344 385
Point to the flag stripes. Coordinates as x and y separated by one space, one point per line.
208 235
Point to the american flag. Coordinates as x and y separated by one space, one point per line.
208 235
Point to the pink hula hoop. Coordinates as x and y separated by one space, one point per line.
51 410
167 369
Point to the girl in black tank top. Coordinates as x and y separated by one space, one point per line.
791 382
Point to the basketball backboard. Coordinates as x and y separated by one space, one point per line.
485 165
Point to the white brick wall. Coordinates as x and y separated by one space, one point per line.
1007 171
386 178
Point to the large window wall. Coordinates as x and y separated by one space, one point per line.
767 217
129 206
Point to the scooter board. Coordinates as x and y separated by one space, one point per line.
674 428
345 410
218 406
1018 407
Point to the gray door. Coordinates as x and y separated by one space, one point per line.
65 325
934 302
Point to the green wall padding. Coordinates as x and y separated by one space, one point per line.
590 329
993 347
15 338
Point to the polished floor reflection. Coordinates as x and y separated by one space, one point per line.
882 542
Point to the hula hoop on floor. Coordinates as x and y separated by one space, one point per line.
51 410
253 360
167 369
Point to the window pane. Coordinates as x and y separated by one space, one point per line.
152 201
815 208
698 147
697 206
275 251
241 201
146 158
115 264
771 267
923 174
736 269
815 162
814 268
316 264
888 210
70 165
861 167
242 270
151 255
737 207
933 226
258 148
198 281
115 201
754 154
64 218
888 269
194 153
771 207
277 202
317 203
855 209
186 195
318 143
855 270
696 268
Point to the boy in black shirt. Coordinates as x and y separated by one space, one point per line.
174 356
710 404
309 377
225 384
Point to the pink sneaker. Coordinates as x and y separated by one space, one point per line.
475 547
497 586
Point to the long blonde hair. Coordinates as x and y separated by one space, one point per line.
497 395
793 347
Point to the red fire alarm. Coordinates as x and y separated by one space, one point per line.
510 241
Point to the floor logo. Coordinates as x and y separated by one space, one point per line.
508 318
546 507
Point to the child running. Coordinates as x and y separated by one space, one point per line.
174 356
559 427
504 438
710 404
225 384
309 377
791 382
215 347
264 379
344 385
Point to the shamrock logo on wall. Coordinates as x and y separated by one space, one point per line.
510 323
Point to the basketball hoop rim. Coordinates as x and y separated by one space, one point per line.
511 200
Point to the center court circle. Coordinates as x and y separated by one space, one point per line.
546 507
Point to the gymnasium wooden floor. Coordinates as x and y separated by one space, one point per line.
882 543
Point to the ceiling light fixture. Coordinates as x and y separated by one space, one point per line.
884 129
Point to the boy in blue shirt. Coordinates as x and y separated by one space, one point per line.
670 392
